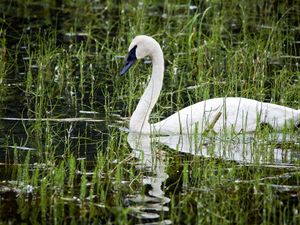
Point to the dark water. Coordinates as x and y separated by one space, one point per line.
86 115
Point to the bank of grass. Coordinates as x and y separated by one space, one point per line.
210 52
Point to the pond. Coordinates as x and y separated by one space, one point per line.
66 154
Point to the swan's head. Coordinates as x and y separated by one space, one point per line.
140 47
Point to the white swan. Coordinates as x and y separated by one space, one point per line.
218 114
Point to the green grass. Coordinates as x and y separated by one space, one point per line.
67 60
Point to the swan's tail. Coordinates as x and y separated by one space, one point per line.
297 124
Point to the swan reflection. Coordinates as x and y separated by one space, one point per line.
241 149
151 161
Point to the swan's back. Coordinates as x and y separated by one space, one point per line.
231 114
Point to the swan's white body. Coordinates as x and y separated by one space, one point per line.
218 114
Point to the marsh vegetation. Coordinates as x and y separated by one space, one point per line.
65 153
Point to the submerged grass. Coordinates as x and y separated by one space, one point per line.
85 172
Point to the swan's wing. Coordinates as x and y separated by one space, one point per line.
279 116
226 114
241 114
191 119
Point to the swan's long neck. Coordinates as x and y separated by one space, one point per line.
139 121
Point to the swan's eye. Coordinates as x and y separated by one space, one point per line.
131 58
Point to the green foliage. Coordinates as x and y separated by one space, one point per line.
59 74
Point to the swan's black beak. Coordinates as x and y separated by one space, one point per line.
131 58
